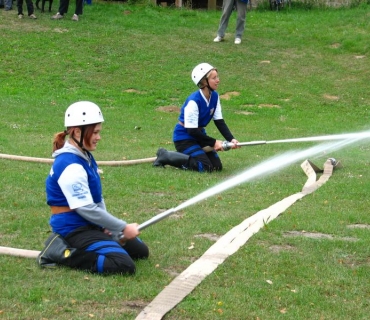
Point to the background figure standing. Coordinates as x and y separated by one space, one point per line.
30 9
63 8
227 9
8 4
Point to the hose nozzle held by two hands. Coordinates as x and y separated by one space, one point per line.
226 145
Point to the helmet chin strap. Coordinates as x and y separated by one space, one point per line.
208 86
81 142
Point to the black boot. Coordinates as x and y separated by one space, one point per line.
56 251
172 158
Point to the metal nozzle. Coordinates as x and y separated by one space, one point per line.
333 162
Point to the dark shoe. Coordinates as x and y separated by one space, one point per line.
172 158
56 251
8 9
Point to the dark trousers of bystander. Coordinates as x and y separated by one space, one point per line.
30 8
64 4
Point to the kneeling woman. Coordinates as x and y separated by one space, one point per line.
195 149
85 235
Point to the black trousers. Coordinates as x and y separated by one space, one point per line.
30 8
98 252
64 4
199 159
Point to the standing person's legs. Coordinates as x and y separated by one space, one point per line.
227 8
20 7
79 7
30 8
63 7
241 8
8 5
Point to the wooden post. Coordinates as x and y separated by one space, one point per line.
212 4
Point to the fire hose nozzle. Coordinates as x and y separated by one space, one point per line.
226 145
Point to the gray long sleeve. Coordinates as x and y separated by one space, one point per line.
97 214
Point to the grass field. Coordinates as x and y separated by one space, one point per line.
297 73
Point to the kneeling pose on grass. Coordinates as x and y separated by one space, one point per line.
195 149
85 235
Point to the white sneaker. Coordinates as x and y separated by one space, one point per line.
218 39
75 17
238 41
32 16
20 16
57 16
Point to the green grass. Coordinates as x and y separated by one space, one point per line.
299 73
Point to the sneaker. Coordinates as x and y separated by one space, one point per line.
32 16
238 41
20 16
8 8
75 17
57 16
218 39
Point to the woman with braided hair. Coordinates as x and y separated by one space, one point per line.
84 234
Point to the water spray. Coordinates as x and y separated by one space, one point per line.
264 168
226 146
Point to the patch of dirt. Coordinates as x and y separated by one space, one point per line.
176 216
316 235
228 95
279 248
135 305
210 236
330 97
132 91
247 113
269 106
308 235
173 273
59 30
358 226
169 109
97 310
335 45
353 262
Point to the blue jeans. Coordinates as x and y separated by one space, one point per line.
7 3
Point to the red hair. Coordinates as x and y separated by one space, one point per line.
59 138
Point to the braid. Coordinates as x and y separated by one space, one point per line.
59 139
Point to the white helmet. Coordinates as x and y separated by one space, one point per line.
82 113
200 71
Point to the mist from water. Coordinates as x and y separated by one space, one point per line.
265 168
271 165
361 135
